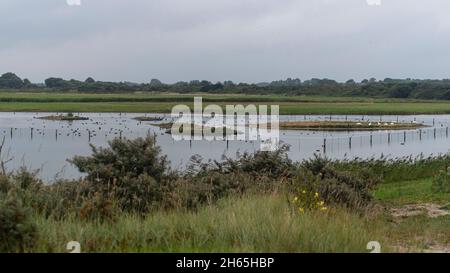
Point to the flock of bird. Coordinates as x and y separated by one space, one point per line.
115 126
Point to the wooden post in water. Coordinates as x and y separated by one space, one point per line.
404 137
420 134
89 135
446 132
371 139
350 143
434 133
31 133
389 138
11 133
324 145
56 134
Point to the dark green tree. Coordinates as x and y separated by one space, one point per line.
11 80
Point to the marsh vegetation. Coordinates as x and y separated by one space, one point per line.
131 200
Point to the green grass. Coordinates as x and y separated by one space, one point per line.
163 103
250 224
257 224
415 233
410 192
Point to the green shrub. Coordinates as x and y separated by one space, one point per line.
275 165
132 172
27 180
207 187
17 233
98 207
336 187
136 176
124 158
5 185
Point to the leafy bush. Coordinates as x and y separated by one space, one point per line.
133 172
274 164
124 158
5 185
137 177
17 233
336 187
98 207
133 176
207 187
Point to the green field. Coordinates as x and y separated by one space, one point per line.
163 103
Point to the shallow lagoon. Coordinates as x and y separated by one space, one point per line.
46 145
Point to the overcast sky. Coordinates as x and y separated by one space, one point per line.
217 40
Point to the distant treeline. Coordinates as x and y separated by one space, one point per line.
387 88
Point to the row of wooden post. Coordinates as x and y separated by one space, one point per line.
388 138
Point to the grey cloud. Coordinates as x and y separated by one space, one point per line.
245 40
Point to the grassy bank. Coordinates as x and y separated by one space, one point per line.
250 224
163 103
261 224
131 201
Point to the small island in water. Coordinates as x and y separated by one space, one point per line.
149 118
348 125
66 117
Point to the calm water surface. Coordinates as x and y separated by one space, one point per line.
46 145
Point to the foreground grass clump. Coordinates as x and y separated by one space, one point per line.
17 231
248 224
